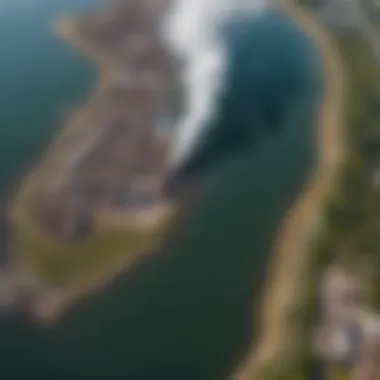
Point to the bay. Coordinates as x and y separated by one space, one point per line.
186 314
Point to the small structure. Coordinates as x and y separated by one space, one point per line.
339 13
348 334
340 335
340 293
65 215
376 175
368 363
123 164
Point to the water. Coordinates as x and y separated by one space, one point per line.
186 314
40 76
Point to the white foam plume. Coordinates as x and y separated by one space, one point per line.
191 29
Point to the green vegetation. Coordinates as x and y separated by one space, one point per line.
350 231
353 212
66 263
372 10
61 263
338 373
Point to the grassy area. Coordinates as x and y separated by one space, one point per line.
284 352
338 373
350 228
65 263
353 211
350 231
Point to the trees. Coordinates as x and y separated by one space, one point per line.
351 222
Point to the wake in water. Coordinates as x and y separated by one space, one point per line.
192 30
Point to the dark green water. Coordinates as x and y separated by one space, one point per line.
186 314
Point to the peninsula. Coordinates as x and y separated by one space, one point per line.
95 201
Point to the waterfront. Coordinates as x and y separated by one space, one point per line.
41 78
200 293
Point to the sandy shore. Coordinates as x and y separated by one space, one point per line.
291 253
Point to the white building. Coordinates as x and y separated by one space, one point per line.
340 13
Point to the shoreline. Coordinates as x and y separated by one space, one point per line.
289 255
75 125
45 304
55 306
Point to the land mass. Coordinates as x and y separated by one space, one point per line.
282 335
96 202
325 268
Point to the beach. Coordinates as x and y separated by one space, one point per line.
291 252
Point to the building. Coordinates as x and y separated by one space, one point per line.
339 13
123 158
368 364
340 335
348 334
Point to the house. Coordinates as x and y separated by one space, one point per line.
368 363
340 13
